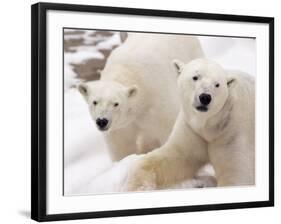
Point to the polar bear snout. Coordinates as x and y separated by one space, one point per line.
102 124
202 102
205 99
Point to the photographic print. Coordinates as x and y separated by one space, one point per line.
126 90
138 111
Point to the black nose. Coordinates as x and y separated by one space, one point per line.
205 99
102 122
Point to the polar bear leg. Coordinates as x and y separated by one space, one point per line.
178 159
233 162
122 142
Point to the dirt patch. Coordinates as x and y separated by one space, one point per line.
102 33
69 43
89 70
73 32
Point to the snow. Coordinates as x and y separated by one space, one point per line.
88 168
115 40
232 53
87 36
83 53
85 151
115 175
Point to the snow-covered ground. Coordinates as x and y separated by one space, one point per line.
88 169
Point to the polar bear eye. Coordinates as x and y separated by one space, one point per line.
195 78
95 103
217 85
116 104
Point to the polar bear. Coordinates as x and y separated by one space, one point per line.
135 102
216 124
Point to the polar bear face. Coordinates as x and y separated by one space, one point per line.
203 85
109 103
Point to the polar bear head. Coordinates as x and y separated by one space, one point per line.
203 85
109 103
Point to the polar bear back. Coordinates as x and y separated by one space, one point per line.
156 51
145 60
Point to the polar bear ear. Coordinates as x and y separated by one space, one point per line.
83 89
131 91
230 82
178 65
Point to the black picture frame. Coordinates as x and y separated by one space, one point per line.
39 108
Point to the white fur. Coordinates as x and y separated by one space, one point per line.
224 135
139 76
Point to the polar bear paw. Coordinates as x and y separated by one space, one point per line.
142 177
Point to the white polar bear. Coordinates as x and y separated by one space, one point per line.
135 102
216 124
